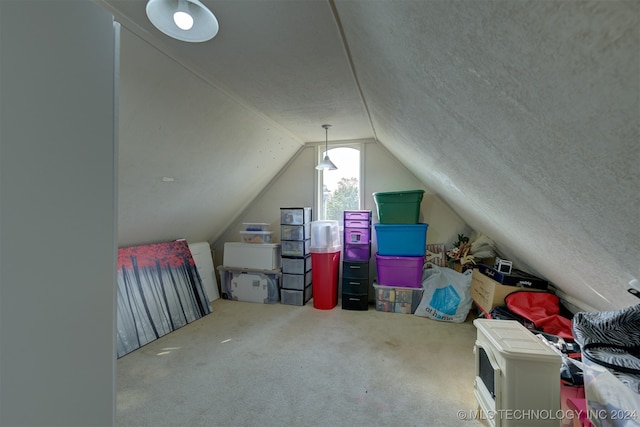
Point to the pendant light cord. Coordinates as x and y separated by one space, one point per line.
326 139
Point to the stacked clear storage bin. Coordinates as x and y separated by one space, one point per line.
295 240
355 262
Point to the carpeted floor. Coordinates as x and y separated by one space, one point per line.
252 364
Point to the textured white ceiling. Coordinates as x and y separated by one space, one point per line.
283 58
522 115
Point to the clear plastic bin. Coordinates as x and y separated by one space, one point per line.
256 236
325 236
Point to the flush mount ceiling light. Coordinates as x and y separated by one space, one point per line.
186 20
326 163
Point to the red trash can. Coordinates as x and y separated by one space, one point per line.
325 263
325 269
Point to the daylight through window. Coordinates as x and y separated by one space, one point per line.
339 190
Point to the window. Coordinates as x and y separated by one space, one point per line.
339 190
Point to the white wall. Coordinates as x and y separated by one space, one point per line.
57 251
175 123
385 172
295 186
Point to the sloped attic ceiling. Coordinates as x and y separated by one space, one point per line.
521 115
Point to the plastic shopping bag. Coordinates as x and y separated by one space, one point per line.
446 294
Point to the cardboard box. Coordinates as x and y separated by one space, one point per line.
487 293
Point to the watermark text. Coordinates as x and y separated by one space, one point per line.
545 414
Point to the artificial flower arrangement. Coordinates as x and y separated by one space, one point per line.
466 251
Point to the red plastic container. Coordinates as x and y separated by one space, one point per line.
324 279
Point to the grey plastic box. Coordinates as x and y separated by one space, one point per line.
295 232
296 281
295 248
295 216
296 265
296 297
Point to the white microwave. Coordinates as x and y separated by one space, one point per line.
517 376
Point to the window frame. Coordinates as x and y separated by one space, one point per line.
319 176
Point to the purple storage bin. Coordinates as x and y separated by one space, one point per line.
361 215
357 223
357 236
404 271
356 252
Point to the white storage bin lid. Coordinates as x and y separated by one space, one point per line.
251 246
508 338
325 236
255 226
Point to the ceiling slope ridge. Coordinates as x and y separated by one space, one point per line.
352 67
344 141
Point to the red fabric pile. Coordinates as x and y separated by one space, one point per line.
543 309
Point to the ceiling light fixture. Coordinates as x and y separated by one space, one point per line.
181 17
326 163
186 20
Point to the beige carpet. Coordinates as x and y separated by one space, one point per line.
279 365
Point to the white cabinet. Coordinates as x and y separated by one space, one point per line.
517 376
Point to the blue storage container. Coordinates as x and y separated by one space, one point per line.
401 239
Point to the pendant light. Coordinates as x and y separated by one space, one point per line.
326 163
186 20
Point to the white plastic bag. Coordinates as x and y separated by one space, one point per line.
446 294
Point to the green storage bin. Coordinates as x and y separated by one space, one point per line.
398 207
